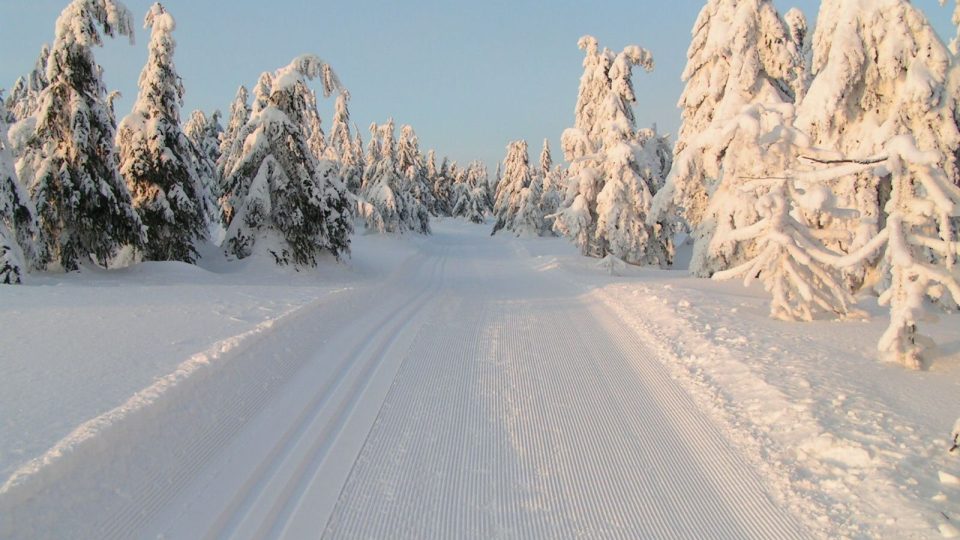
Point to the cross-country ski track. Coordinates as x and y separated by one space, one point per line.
467 395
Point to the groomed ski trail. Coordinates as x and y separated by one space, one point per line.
468 396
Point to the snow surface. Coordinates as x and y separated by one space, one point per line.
458 385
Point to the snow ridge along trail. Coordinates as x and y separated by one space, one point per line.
468 395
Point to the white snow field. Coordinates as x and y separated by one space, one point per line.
458 386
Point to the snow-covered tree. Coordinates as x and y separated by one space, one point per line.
799 32
880 71
313 131
788 255
624 201
205 133
67 157
158 161
410 164
607 201
517 204
546 159
25 96
342 148
19 233
922 202
284 200
741 53
261 92
230 143
443 188
469 192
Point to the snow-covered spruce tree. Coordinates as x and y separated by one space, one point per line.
19 233
230 143
577 216
313 131
741 53
157 159
205 135
917 231
546 159
799 32
261 92
285 201
410 164
789 257
431 172
67 160
880 71
624 201
382 199
517 204
607 201
469 192
342 148
24 97
444 188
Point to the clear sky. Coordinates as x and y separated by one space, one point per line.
468 76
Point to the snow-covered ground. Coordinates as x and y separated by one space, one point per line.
458 385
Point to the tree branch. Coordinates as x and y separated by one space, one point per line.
869 161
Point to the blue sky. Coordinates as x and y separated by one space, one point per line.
468 76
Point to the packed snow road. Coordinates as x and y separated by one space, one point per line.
467 395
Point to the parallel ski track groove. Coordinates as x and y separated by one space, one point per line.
503 432
201 449
397 319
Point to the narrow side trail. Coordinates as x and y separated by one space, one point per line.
468 396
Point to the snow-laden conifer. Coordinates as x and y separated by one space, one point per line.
443 189
205 133
880 71
19 234
605 207
624 201
230 143
67 158
157 159
25 95
285 202
469 192
741 53
786 251
411 165
517 203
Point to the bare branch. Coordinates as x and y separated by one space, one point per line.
869 161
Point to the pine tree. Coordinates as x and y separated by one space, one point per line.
157 160
284 200
546 159
261 92
880 71
741 54
19 233
443 189
68 161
